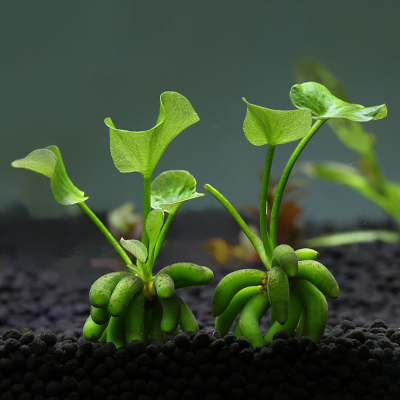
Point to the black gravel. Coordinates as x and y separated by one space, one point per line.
44 283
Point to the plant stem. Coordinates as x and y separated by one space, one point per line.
106 233
163 234
264 254
146 206
285 177
263 199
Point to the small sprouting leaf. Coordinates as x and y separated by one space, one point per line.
172 188
140 151
135 247
154 223
345 238
265 126
320 101
48 162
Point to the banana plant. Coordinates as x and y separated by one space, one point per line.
135 304
294 284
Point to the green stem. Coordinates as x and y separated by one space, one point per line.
263 199
284 178
106 233
264 254
146 206
163 233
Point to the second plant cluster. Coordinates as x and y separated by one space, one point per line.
136 304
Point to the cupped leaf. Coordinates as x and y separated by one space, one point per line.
265 126
351 133
154 223
48 162
140 151
320 101
135 247
172 188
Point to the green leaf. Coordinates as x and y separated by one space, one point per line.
265 126
319 100
48 162
345 238
140 151
351 133
154 223
351 177
172 188
135 247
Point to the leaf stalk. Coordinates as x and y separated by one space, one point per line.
285 177
106 233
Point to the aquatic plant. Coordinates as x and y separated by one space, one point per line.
294 285
135 304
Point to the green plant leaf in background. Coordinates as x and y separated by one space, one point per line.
171 189
345 238
351 177
265 126
140 151
135 247
320 101
48 162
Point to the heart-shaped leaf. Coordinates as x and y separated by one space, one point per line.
140 151
320 101
135 247
48 162
154 223
265 126
172 188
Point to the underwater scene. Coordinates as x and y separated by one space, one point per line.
200 200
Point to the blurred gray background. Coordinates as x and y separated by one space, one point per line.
65 66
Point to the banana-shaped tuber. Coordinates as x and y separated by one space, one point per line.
292 321
225 320
306 254
134 319
156 314
164 286
123 293
187 320
315 307
285 257
171 313
232 284
93 331
278 292
99 315
319 276
115 331
249 320
102 288
188 274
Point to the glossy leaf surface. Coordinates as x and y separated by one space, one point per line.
320 101
48 162
265 126
172 188
135 247
140 151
